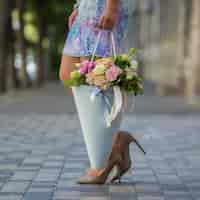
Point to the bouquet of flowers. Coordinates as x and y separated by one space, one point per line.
104 73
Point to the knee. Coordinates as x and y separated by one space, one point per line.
67 65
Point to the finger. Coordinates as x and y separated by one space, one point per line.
101 22
105 24
72 18
111 24
105 21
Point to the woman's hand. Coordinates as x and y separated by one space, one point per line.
108 19
72 18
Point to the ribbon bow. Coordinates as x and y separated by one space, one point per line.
111 110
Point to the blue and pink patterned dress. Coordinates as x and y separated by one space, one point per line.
83 34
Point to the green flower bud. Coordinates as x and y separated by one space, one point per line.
75 75
129 76
132 51
125 57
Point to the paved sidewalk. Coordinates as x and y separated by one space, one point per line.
42 153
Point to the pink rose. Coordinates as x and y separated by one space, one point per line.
85 62
84 70
112 73
91 66
86 67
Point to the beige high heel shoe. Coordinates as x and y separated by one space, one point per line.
114 160
125 139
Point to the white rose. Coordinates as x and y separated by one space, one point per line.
134 64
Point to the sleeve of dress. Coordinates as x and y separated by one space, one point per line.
76 5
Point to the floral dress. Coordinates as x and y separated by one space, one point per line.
83 34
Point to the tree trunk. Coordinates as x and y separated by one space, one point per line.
40 59
14 78
40 52
4 19
20 4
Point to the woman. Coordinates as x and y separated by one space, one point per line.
87 19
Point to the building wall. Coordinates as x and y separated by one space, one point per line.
169 33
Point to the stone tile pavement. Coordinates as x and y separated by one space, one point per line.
41 156
42 151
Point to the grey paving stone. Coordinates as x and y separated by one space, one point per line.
56 157
94 198
10 197
1 184
145 187
118 196
146 179
40 189
28 168
8 167
4 175
178 198
52 164
36 148
47 175
38 196
121 189
15 187
150 197
70 175
63 195
33 161
17 155
23 176
64 184
44 184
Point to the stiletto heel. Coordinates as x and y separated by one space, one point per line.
118 175
138 144
119 158
119 180
125 139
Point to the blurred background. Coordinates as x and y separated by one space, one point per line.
32 35
42 150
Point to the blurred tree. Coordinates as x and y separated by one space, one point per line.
20 5
4 23
57 21
42 29
12 71
32 34
50 20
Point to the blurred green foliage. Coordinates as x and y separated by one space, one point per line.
55 14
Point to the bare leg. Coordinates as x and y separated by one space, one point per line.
67 65
84 58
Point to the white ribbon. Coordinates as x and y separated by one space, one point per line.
114 51
117 105
111 110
